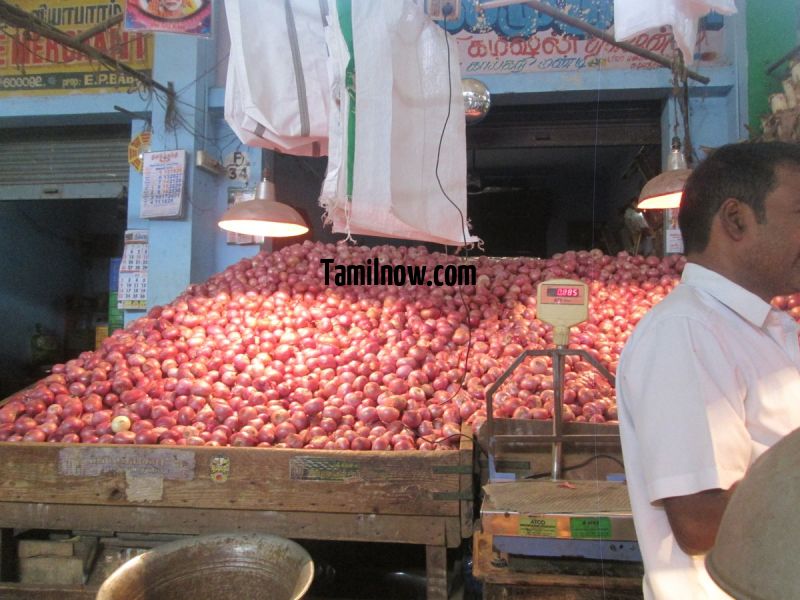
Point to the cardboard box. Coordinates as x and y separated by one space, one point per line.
62 562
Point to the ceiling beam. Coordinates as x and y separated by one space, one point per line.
99 28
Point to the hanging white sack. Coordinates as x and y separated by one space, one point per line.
428 91
277 89
632 17
381 177
262 137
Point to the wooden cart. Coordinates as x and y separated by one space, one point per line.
401 497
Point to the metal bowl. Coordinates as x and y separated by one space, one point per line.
219 567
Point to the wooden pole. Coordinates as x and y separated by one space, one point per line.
591 30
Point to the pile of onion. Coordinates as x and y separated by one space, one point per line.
266 354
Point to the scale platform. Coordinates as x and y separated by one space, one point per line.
583 519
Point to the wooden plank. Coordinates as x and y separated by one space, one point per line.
466 480
402 483
493 591
31 548
20 591
436 572
507 577
424 530
482 553
452 535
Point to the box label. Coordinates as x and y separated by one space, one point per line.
220 468
538 526
590 528
322 469
93 462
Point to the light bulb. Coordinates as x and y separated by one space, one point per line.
676 160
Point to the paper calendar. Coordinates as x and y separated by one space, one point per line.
162 184
132 294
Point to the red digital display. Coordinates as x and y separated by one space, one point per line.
564 292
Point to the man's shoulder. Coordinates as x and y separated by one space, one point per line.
684 305
685 301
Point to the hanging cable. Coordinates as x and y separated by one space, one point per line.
447 10
680 92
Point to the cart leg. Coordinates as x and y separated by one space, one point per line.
8 558
436 572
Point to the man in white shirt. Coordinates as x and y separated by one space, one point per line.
710 378
641 239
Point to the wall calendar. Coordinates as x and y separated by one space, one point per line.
164 174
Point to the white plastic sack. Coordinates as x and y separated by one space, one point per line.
632 17
276 94
381 177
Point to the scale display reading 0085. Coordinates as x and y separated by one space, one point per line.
564 292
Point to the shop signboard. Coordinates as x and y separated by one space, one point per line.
33 65
192 17
519 39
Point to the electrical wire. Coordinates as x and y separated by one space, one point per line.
173 119
205 73
45 231
594 171
596 454
445 438
464 302
578 466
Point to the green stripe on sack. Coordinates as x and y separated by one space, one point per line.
344 8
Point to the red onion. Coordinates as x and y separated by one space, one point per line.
265 354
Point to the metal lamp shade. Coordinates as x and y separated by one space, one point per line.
265 218
755 554
665 190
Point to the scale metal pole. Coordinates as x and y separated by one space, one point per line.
558 425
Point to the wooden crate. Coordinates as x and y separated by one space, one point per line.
403 497
556 580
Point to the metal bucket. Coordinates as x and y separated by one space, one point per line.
218 567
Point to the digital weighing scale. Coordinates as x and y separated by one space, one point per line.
556 518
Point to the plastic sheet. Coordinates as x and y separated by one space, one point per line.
632 17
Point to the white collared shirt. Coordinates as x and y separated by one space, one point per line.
708 381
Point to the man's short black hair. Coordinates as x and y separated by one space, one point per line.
745 171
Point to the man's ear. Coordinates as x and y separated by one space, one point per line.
735 217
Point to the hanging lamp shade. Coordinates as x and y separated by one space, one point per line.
263 216
664 190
